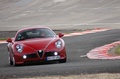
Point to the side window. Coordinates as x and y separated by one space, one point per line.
21 36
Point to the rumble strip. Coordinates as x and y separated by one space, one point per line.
3 42
103 52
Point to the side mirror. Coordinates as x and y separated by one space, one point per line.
9 40
60 35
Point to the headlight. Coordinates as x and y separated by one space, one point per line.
58 44
19 48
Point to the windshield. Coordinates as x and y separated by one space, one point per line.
35 33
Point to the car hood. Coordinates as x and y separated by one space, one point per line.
38 44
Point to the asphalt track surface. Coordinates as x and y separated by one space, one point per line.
77 63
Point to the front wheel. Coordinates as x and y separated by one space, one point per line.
14 63
10 61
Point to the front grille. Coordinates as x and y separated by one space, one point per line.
31 56
40 53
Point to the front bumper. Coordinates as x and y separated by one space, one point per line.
39 56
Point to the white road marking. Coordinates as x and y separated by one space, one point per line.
82 56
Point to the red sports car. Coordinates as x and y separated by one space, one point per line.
36 44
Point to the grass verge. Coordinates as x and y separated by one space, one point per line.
117 50
3 39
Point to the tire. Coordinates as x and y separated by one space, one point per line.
63 60
10 61
14 63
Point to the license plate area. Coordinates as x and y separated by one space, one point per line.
53 58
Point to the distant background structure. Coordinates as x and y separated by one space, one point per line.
59 14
